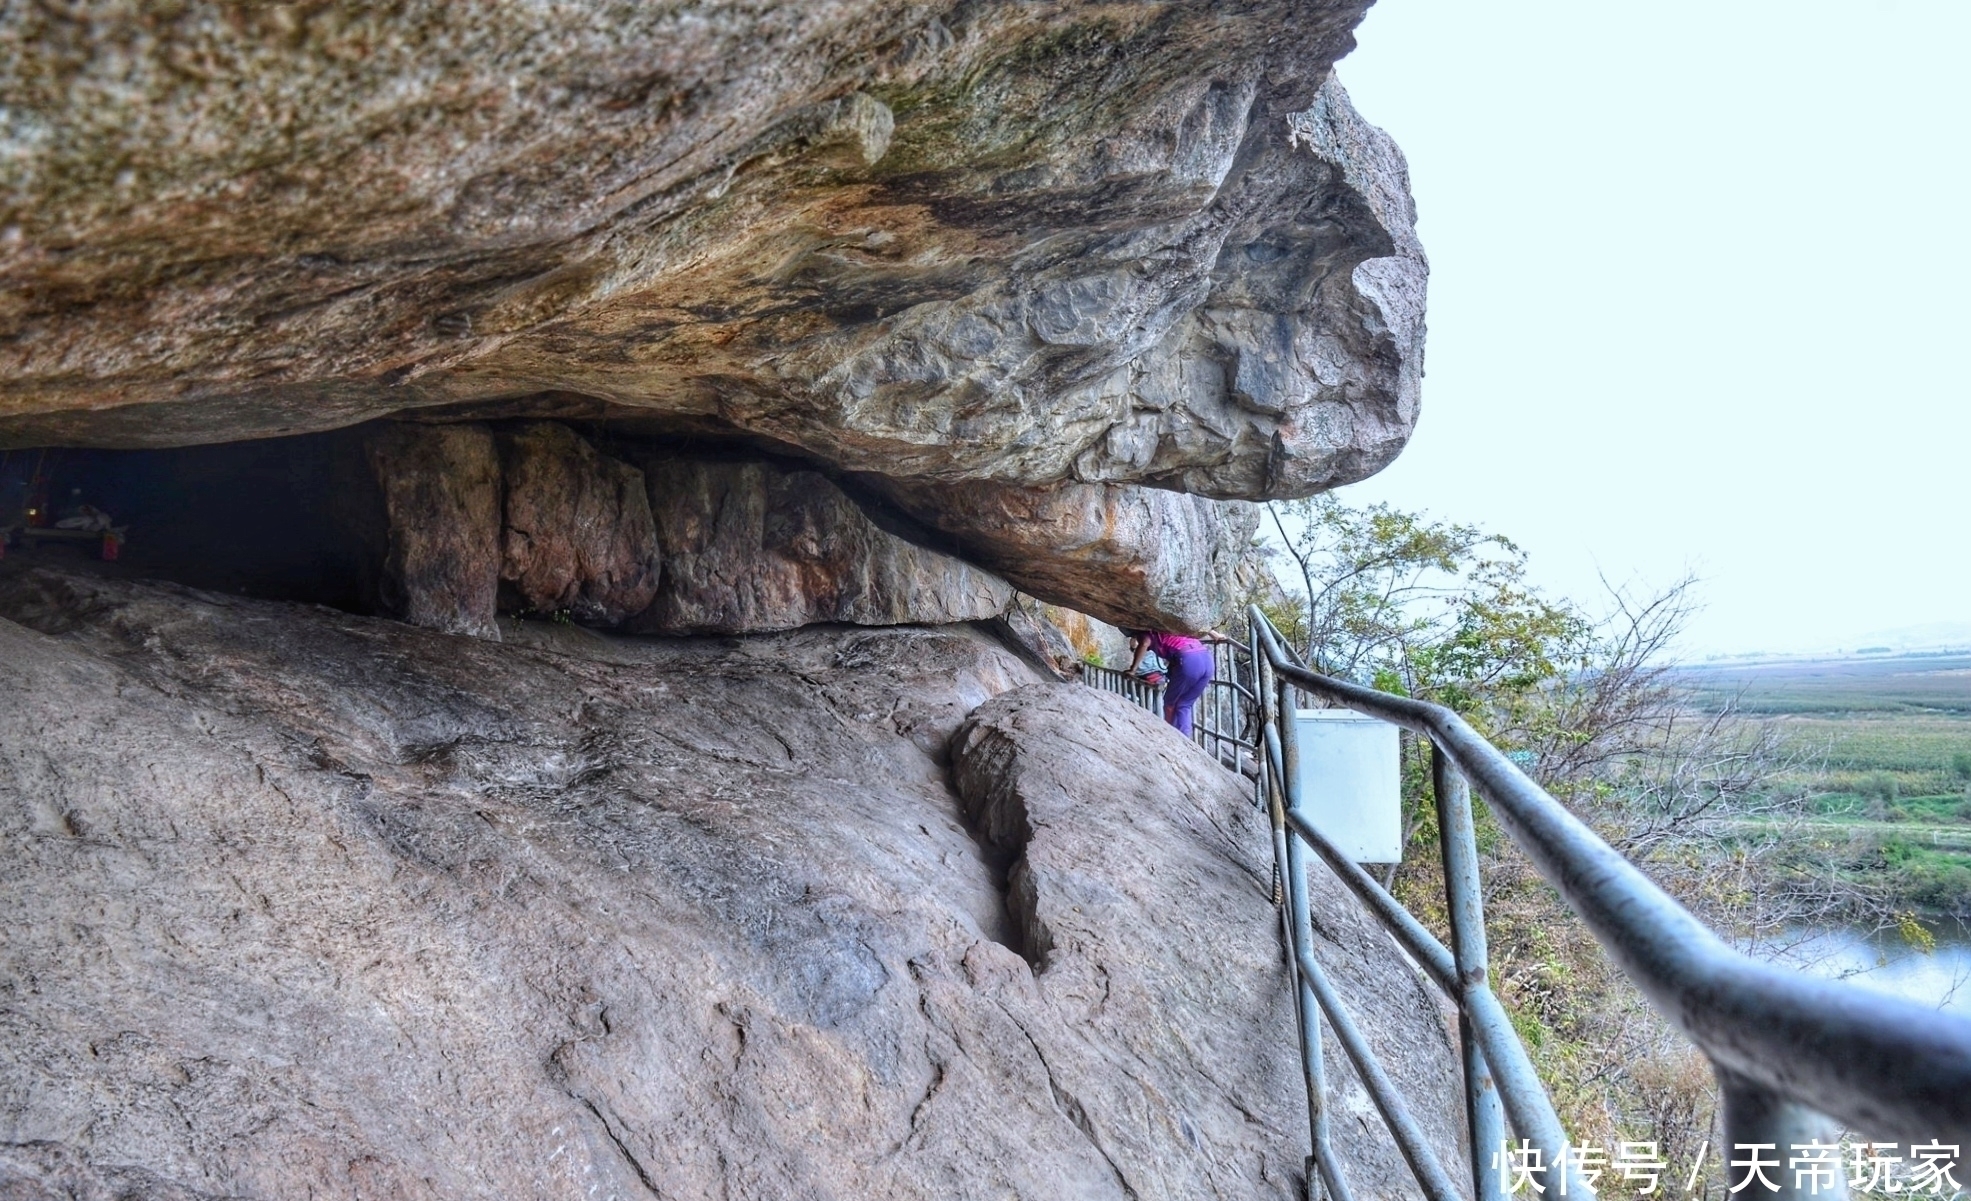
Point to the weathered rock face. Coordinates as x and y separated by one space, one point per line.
751 546
739 545
903 235
1090 639
1130 556
441 498
1022 765
309 904
1012 241
1061 640
974 249
1027 626
578 532
303 903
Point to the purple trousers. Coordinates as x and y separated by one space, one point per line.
1190 671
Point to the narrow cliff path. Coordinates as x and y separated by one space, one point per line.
297 903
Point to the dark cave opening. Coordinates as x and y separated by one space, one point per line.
295 518
302 518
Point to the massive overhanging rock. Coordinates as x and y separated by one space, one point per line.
1016 245
1017 241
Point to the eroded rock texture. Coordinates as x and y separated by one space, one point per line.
751 546
1139 557
1015 243
1040 776
1027 627
441 500
302 903
1090 640
578 532
308 904
531 518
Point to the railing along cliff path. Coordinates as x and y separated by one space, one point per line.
1797 1059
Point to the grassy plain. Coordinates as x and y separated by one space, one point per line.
1883 754
1885 684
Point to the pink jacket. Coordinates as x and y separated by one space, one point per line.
1169 645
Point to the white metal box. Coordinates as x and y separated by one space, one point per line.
1351 786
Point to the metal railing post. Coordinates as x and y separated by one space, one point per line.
1424 1165
1524 1096
1484 1116
1258 706
1787 1049
1322 998
1299 931
1785 1045
1768 1126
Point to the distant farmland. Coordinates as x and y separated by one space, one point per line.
1909 715
1891 684
1883 750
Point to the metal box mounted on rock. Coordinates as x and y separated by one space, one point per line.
1350 782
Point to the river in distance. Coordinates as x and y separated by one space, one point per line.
1882 960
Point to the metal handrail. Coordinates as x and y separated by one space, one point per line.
1225 719
1786 1048
1234 715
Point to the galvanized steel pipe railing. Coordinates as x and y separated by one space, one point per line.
1250 699
1225 719
1790 1052
1485 1022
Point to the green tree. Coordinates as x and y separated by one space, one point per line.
1588 704
1424 608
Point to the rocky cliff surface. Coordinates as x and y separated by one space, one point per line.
861 340
309 904
971 250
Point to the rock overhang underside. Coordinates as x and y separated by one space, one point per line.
1050 279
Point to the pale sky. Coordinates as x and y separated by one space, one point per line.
1698 297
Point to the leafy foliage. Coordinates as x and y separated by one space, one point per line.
1588 706
1423 607
1586 703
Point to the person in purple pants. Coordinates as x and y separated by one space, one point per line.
1190 664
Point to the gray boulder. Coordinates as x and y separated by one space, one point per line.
1014 245
305 903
